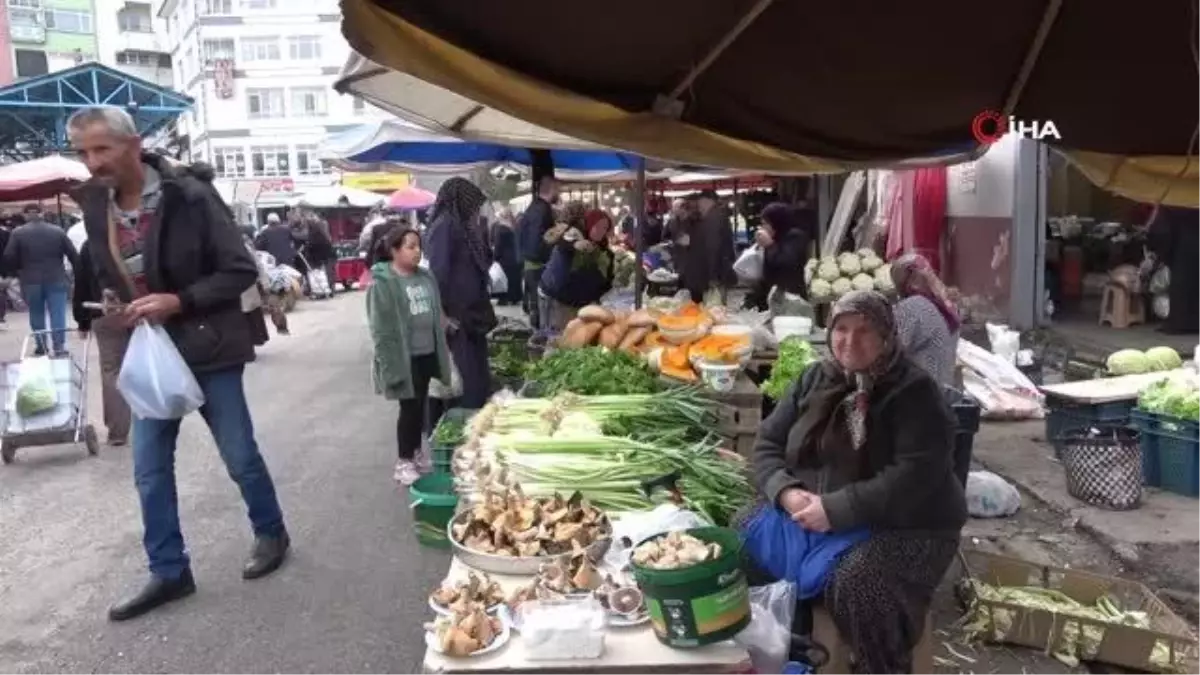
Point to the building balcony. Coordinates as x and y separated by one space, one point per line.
26 34
137 41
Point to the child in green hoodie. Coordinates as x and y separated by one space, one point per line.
408 332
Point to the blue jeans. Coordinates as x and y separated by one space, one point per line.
43 298
228 419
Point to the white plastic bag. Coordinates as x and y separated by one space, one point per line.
440 390
768 638
990 496
36 392
634 528
749 265
497 279
318 283
154 379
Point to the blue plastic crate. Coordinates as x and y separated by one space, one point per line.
1170 452
1064 414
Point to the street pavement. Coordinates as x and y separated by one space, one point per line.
351 598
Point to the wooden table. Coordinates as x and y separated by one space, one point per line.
1108 389
626 650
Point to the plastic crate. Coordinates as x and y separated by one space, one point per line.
1170 452
1063 415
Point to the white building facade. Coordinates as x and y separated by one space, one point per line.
261 74
130 38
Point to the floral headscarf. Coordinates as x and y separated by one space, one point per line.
913 275
875 309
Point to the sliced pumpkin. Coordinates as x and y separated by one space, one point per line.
685 374
653 339
676 357
676 322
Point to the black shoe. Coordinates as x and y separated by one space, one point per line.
156 592
267 556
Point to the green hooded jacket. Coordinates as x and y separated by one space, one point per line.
388 317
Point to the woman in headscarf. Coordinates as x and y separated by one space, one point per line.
504 249
784 240
580 270
864 440
927 322
459 259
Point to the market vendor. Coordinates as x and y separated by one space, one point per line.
580 270
537 220
864 442
784 238
927 321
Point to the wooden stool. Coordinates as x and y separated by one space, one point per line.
1120 308
826 634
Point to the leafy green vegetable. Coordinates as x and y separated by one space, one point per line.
795 356
591 371
35 397
1163 358
1172 396
449 432
508 358
1127 362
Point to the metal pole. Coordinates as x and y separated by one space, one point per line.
639 210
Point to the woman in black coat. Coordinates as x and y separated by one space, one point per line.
784 237
504 251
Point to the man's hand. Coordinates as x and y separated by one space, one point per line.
155 308
584 246
794 499
812 516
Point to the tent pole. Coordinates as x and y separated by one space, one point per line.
639 210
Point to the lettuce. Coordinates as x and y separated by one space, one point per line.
1175 397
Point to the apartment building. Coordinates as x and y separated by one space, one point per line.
261 73
43 36
132 39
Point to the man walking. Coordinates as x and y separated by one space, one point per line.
35 253
537 220
175 256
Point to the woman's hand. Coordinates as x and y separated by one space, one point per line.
794 499
812 515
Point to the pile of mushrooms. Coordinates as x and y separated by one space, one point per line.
466 632
673 551
556 580
478 589
511 524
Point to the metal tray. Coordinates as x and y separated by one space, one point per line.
515 565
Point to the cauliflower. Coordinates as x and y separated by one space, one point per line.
863 282
1127 362
819 289
828 271
841 286
883 279
865 252
810 268
849 264
1163 358
870 263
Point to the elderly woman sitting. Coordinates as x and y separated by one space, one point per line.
863 444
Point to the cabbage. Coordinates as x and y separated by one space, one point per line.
810 268
1163 358
1176 397
1127 362
883 279
35 397
863 282
849 264
870 263
866 253
841 286
819 289
828 271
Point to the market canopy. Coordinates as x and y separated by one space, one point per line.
792 87
335 196
40 178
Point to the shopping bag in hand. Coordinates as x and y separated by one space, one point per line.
36 392
443 391
749 265
154 379
497 279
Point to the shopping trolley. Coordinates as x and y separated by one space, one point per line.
66 422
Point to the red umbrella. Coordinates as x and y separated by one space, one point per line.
40 178
408 198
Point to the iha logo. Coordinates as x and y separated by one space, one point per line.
990 126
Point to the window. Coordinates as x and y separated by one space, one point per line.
260 49
69 20
143 59
269 161
31 62
307 161
265 104
134 17
216 7
259 4
304 47
222 48
31 4
24 17
309 102
229 162
359 106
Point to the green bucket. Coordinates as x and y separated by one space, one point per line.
433 502
701 604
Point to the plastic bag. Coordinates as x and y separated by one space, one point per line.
768 638
36 392
155 380
318 283
788 552
497 279
990 496
634 528
440 390
749 265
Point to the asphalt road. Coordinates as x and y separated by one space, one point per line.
350 599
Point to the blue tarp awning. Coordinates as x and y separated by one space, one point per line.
34 111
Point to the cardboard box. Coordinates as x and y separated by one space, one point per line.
1120 645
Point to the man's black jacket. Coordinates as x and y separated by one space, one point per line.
194 250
